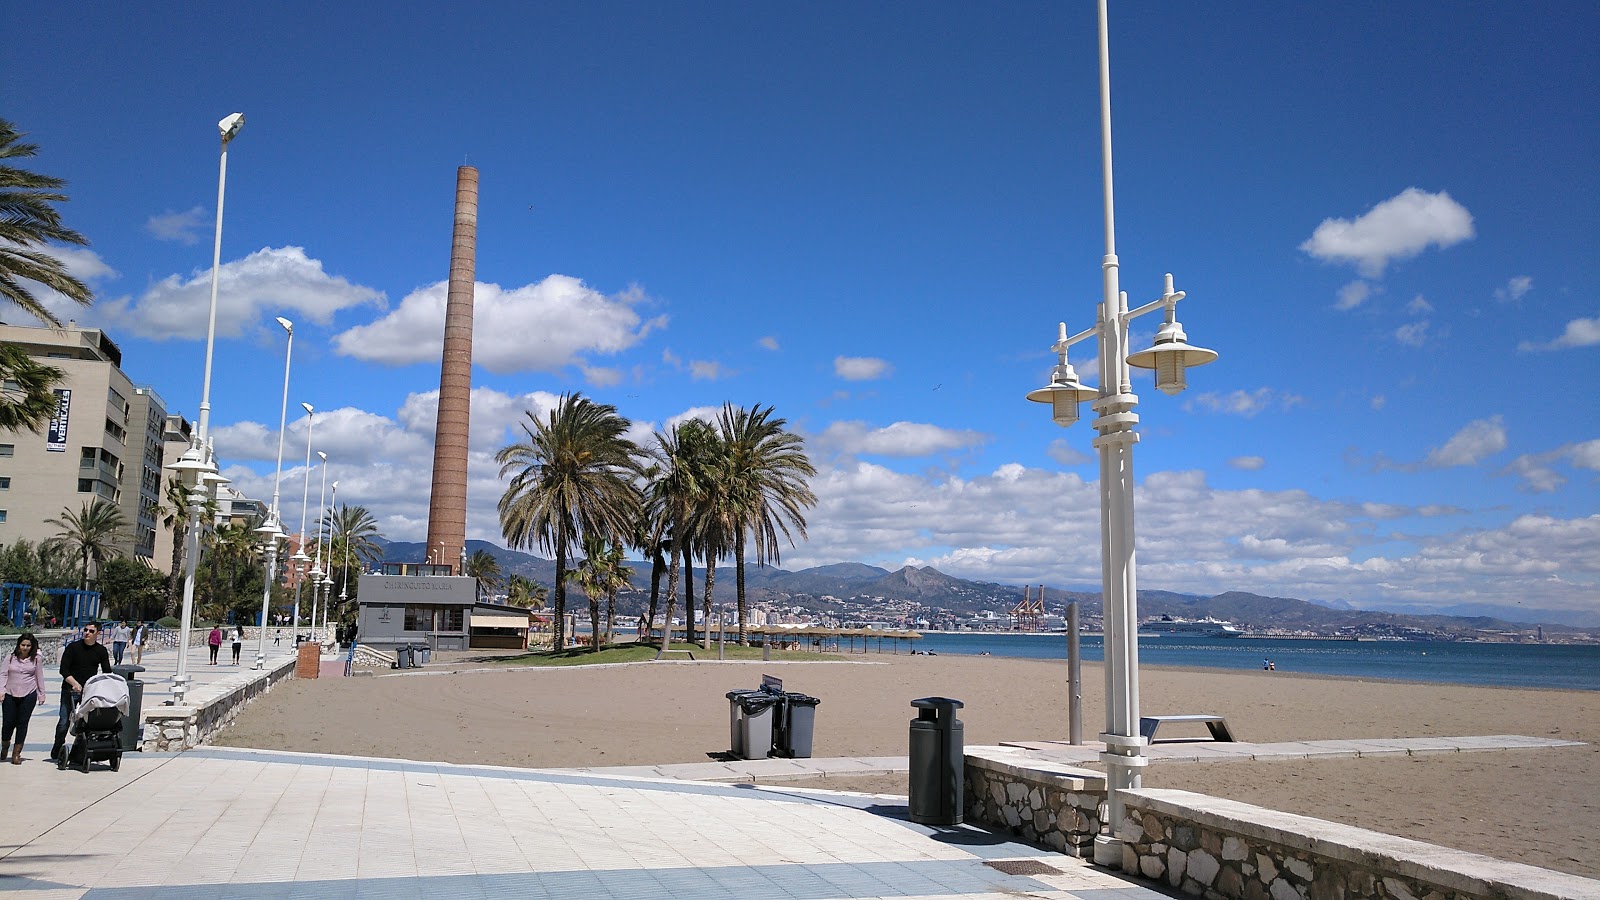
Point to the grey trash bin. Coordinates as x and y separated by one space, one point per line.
735 723
132 723
799 721
753 728
936 781
427 653
402 657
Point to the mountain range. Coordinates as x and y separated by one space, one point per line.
832 588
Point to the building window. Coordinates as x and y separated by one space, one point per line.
116 431
2 517
87 457
8 449
5 482
433 618
85 485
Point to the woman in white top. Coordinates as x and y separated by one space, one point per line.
141 636
238 642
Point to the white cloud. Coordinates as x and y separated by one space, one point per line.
1538 470
537 327
768 342
1414 334
1248 463
705 370
1244 403
1419 306
1066 454
861 368
1398 228
182 227
269 282
901 439
1379 401
601 376
1514 290
1470 445
1579 333
1353 295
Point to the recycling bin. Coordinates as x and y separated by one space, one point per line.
799 720
936 782
132 723
752 718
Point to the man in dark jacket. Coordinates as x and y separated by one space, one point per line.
80 661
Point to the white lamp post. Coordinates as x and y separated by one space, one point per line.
316 569
344 588
197 469
1124 754
272 531
300 558
327 576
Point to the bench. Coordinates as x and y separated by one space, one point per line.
662 653
1218 725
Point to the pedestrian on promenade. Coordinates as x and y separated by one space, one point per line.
238 642
79 662
141 636
24 689
120 635
214 641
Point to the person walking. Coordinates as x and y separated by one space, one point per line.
24 689
120 635
238 642
141 636
214 641
80 661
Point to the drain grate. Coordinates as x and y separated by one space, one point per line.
1022 867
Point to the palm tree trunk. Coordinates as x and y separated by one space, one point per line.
711 581
657 565
672 596
558 629
738 578
173 577
688 591
611 612
594 620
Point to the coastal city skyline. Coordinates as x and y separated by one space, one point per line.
873 219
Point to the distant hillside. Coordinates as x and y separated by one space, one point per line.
932 590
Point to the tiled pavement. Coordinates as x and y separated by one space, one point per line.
249 824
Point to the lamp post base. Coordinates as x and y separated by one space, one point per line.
261 659
180 688
1107 851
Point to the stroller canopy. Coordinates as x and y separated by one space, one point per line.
103 691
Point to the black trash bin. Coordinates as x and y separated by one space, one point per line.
798 723
132 723
936 781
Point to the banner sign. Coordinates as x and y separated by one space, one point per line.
56 440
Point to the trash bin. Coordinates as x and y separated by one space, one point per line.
402 657
799 719
132 723
426 652
936 779
750 725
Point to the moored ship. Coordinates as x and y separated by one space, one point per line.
1206 627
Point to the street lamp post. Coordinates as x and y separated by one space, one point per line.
300 558
327 576
197 469
271 531
1115 402
316 567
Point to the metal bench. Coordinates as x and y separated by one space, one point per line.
1218 725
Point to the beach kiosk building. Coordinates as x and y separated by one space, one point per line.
407 603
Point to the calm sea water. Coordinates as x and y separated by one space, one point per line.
1568 667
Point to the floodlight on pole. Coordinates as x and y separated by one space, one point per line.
272 531
1115 403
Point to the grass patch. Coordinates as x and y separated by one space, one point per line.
636 652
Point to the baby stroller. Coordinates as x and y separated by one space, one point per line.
97 722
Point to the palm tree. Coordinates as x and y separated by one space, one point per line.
592 577
573 476
525 592
618 576
89 534
768 471
672 499
28 220
174 514
27 390
485 568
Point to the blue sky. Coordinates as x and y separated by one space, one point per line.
873 216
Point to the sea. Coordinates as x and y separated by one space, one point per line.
1556 666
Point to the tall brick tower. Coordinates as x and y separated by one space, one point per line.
447 509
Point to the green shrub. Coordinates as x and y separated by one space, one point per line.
168 622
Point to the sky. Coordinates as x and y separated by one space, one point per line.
873 216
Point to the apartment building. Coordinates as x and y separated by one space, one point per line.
105 441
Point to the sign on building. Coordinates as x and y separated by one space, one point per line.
56 439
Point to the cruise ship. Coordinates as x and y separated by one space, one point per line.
1207 627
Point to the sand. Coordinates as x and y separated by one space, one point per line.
1536 806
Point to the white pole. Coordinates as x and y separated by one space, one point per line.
1124 757
273 516
327 595
316 584
305 496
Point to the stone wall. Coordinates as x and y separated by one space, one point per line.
1054 806
209 709
1223 849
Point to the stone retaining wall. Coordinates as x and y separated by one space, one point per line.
209 710
1055 806
1223 850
